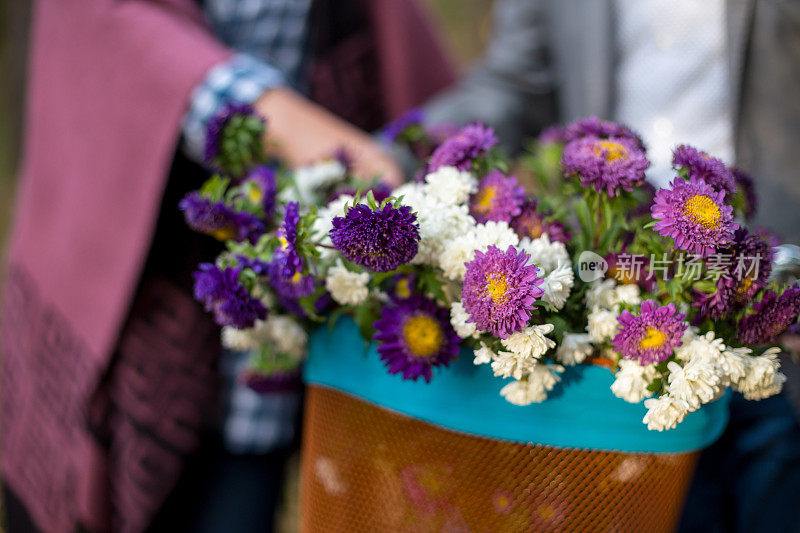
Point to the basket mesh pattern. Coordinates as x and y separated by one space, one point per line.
367 469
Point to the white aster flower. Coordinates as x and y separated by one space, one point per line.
495 233
534 387
459 320
628 294
602 324
483 355
530 342
510 364
558 284
286 336
412 195
438 226
312 177
632 379
704 347
574 348
457 253
245 339
601 294
762 378
450 186
545 254
695 383
732 363
347 288
665 412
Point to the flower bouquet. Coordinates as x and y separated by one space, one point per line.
557 329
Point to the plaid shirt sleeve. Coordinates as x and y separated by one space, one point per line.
242 79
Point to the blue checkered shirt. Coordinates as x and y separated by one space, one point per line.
271 38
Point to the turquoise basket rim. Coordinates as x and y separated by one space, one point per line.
581 412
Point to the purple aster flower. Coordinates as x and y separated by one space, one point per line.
287 259
222 294
500 289
380 240
498 198
553 135
402 286
748 262
218 220
531 223
771 317
608 165
236 124
395 128
259 266
274 381
695 215
459 150
702 166
603 129
415 335
748 190
651 336
207 216
290 286
261 187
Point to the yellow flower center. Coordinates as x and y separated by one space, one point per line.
703 210
610 150
402 289
745 285
283 242
484 199
497 287
653 339
255 194
297 278
423 335
223 234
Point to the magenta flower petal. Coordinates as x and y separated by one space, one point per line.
650 336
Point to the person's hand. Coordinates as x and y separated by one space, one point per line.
300 132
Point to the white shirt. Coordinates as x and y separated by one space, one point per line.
672 78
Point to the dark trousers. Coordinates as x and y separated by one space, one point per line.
749 480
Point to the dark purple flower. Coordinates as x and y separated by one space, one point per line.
603 129
651 336
498 198
274 381
380 240
695 215
747 263
287 259
290 286
415 335
748 190
260 187
530 223
219 220
608 165
209 217
500 289
395 128
223 294
771 317
258 266
402 287
702 166
461 149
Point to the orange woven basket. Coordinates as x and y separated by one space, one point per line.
368 469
